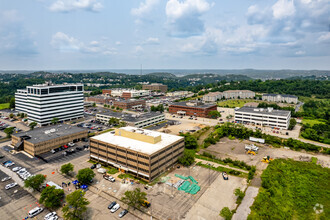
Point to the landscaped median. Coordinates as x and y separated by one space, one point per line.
223 169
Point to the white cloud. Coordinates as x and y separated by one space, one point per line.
65 43
118 43
15 39
324 38
144 8
184 17
73 5
152 40
300 52
283 9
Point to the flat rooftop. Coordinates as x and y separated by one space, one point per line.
45 85
274 112
129 100
131 117
139 146
184 104
50 132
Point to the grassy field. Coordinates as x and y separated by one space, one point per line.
313 121
4 105
236 103
293 190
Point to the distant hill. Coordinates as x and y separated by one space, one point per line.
162 74
210 77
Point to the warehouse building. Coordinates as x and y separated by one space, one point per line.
280 98
46 101
42 140
130 104
143 153
263 117
197 109
155 87
139 121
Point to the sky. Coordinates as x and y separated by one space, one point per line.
164 34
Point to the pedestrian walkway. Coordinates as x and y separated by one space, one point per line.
243 209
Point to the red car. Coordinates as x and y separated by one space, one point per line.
65 146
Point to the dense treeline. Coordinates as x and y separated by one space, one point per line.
316 109
290 190
317 132
241 132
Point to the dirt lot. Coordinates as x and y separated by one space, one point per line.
235 149
184 126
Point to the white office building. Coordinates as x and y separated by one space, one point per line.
263 117
44 102
280 98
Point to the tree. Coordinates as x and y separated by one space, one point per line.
35 182
113 121
51 197
12 103
54 121
293 123
190 141
9 131
11 115
94 104
226 213
240 195
134 198
66 168
85 176
32 125
76 205
214 114
187 159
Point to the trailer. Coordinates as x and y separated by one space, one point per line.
259 140
251 147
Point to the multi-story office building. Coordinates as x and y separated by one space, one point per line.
280 98
155 87
192 109
143 153
212 97
263 117
235 94
44 102
42 140
126 93
139 121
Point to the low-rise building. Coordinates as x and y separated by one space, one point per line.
127 93
143 153
280 98
197 109
100 99
155 87
238 94
44 139
138 120
178 93
130 104
212 97
263 117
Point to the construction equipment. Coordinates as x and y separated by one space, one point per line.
251 152
251 147
267 159
145 203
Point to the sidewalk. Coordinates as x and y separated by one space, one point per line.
243 210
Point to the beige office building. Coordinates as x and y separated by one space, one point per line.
143 153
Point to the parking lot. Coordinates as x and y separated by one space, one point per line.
16 202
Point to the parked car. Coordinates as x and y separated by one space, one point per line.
35 211
85 146
112 205
9 164
115 208
51 216
53 151
1 156
110 178
123 213
225 175
11 185
93 166
15 169
71 144
6 178
79 148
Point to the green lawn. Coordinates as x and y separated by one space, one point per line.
4 105
292 190
235 103
312 121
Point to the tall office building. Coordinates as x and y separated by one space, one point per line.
44 102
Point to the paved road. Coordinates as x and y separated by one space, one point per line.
243 210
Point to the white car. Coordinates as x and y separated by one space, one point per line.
6 178
115 208
35 211
71 144
15 169
9 164
51 216
11 185
21 171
